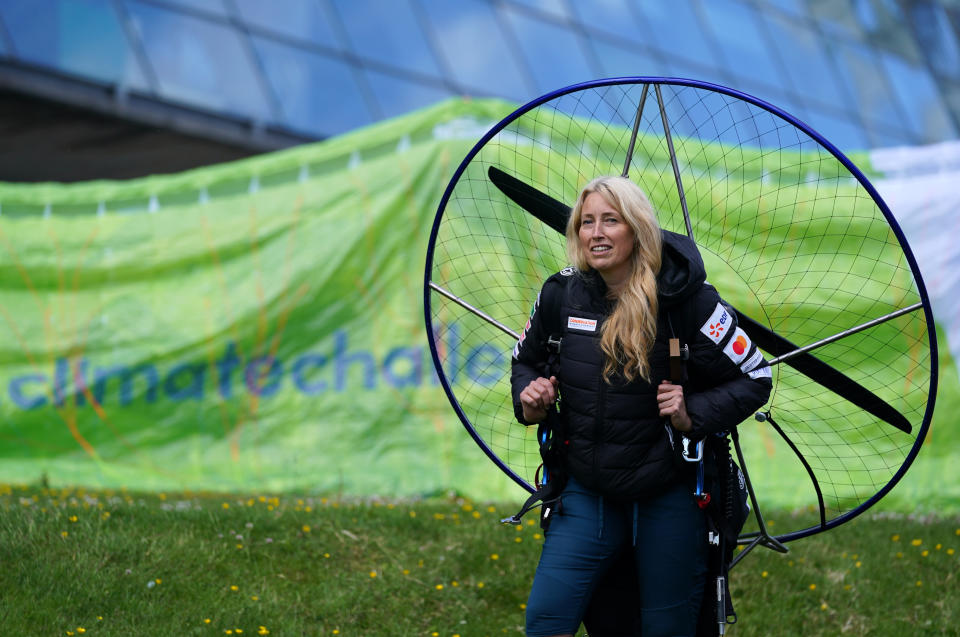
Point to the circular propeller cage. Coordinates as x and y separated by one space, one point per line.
793 236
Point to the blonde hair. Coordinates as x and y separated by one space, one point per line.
628 333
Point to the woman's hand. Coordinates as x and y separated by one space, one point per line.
537 397
672 406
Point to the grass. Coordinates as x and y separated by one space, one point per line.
74 562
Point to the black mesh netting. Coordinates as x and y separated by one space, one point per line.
791 238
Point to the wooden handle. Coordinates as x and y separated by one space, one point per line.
676 362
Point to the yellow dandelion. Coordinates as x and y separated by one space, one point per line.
847 587
439 587
479 584
813 587
790 563
899 554
105 515
239 546
69 633
919 582
228 632
537 536
336 631
523 607
916 542
857 564
494 556
162 496
925 553
100 618
949 551
263 631
854 556
957 532
413 514
64 534
239 631
438 516
225 505
434 634
476 515
938 546
308 509
72 518
255 598
234 588
895 537
467 507
373 573
81 630
326 555
158 581
493 509
406 571
206 621
764 574
420 563
823 606
305 528
454 583
518 539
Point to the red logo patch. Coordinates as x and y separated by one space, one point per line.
716 329
740 345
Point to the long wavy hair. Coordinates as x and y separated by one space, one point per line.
627 335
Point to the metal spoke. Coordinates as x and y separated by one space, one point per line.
636 129
486 317
673 160
844 334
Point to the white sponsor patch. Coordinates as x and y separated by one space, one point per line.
763 372
738 347
751 364
568 271
582 324
718 324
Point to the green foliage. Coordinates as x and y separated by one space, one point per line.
118 563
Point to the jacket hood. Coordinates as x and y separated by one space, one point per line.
681 270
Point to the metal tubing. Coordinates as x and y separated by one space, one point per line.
636 129
486 317
673 160
845 333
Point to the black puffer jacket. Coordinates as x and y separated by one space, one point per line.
618 445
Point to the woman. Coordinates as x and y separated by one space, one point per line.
631 288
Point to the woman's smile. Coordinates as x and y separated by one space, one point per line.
606 239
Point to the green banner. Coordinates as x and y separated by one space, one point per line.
253 326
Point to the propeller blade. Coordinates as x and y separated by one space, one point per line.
555 214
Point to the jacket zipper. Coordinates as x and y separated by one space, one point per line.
601 409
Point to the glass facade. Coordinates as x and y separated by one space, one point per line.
864 73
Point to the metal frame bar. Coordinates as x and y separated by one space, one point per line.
673 160
844 334
636 129
486 317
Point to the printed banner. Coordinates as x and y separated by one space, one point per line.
256 326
